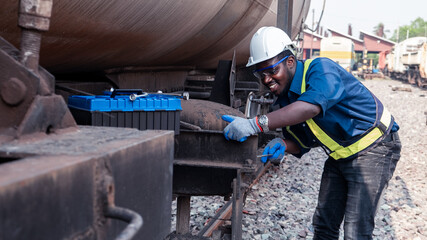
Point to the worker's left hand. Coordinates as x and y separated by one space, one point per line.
276 148
239 128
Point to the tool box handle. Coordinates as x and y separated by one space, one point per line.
126 92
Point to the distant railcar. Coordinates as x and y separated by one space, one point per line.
408 60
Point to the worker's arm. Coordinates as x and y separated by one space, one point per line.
292 114
240 128
281 118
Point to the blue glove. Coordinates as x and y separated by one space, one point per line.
277 147
239 128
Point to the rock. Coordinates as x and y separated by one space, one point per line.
283 224
302 233
265 236
385 207
376 232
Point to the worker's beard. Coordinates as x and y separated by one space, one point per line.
287 84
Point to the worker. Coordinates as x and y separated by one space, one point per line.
321 104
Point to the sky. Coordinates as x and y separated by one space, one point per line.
366 14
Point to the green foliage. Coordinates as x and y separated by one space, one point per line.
417 28
375 58
379 30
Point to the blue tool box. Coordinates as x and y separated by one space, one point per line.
115 109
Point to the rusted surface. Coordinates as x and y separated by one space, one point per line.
57 187
28 104
224 213
213 148
89 35
35 14
206 114
205 162
22 92
34 17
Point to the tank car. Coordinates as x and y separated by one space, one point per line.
61 180
407 61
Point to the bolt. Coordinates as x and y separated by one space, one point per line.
185 95
13 91
34 17
35 14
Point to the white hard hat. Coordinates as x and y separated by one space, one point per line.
266 43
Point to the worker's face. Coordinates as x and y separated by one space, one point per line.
277 78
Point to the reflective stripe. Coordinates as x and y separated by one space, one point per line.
322 136
288 129
362 144
306 65
338 151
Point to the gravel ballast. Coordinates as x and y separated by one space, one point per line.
281 204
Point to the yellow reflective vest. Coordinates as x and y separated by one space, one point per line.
372 136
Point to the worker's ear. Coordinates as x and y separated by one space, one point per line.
291 61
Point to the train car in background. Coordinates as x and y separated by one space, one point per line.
408 61
339 49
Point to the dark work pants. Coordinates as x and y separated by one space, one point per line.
351 190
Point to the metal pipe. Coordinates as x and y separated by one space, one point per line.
284 15
134 219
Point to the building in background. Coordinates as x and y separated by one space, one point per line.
311 44
366 47
359 45
375 44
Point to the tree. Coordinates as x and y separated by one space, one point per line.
379 30
417 28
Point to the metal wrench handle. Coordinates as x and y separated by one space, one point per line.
134 96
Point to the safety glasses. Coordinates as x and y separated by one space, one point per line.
268 71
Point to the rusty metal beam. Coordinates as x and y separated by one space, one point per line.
64 186
183 214
29 105
225 212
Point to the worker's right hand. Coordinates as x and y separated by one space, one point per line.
239 128
276 148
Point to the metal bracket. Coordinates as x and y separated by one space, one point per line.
27 100
257 104
232 80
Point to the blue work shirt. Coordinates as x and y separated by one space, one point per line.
348 107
